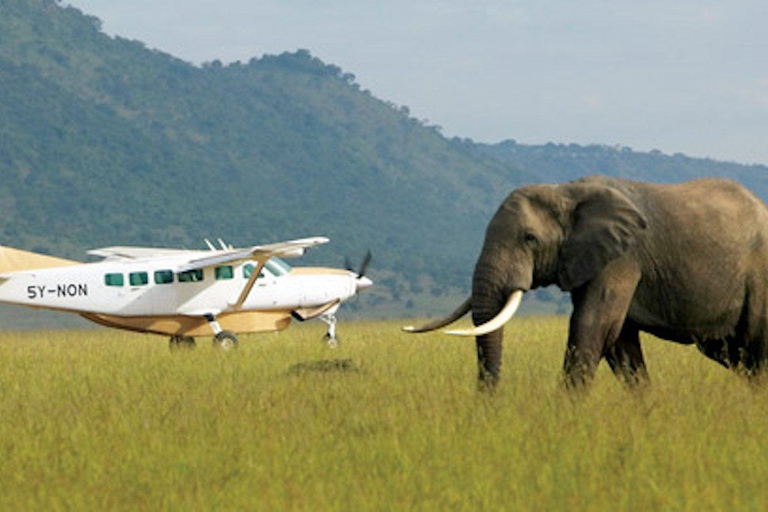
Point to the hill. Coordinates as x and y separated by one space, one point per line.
564 162
104 141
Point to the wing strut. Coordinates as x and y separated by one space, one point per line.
251 281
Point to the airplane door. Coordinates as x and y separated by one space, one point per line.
161 297
138 286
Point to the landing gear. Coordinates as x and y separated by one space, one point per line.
225 340
330 337
178 342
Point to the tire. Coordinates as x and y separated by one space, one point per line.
332 342
178 342
226 340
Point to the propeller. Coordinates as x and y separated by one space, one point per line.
363 266
362 281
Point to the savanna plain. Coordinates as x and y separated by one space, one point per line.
96 420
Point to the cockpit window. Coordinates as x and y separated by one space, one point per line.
277 267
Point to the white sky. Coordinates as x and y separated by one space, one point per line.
679 76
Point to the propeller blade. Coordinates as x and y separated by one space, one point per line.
366 262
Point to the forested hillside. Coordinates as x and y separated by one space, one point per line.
561 162
104 141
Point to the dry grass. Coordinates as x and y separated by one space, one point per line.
108 420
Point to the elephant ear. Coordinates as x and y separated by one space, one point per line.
605 224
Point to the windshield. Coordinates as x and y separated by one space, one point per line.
277 267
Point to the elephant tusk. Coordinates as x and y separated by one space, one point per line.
504 316
460 311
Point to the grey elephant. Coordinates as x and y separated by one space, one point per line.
687 263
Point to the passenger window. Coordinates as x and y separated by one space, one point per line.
247 270
163 276
191 276
113 279
138 278
224 272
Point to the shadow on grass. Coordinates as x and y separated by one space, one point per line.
324 366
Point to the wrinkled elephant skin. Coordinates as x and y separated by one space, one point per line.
687 263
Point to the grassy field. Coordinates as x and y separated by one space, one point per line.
94 420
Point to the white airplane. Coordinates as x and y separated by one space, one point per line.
181 293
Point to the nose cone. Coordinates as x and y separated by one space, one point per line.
362 283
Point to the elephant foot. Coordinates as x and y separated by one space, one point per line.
487 382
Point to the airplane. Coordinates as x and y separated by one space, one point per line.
222 291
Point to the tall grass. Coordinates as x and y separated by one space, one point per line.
109 420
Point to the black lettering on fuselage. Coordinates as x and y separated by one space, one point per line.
60 291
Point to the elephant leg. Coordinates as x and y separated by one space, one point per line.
599 312
753 359
746 351
625 356
753 349
724 351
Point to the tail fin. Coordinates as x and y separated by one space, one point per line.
15 260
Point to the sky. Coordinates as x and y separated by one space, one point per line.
680 76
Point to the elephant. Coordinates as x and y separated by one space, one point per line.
684 262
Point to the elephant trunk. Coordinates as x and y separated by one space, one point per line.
493 303
489 349
487 302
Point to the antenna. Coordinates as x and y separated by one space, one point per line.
209 244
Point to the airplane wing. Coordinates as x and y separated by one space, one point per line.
134 253
261 253
200 259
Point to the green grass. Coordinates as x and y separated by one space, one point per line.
93 420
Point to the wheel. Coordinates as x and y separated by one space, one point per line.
225 340
181 342
330 337
331 341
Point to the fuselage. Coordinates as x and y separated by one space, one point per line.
148 287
